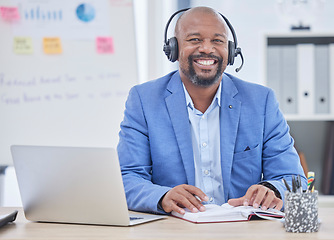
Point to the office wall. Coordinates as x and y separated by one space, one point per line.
65 72
255 18
251 20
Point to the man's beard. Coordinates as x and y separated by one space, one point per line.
203 81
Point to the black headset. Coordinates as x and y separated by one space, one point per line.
171 47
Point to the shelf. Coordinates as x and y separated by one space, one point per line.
314 117
299 67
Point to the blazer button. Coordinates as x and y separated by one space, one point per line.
230 107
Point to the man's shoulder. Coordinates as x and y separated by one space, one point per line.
247 87
242 83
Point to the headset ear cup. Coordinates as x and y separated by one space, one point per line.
166 49
231 53
174 49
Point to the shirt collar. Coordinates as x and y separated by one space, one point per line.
190 103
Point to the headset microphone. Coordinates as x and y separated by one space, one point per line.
238 52
171 47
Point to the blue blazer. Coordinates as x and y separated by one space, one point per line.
155 147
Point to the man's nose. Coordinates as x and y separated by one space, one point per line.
206 46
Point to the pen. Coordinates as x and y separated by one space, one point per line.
293 184
310 179
299 187
311 187
286 185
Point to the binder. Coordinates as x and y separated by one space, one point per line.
331 76
289 79
305 59
321 79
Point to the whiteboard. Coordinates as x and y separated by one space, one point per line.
72 92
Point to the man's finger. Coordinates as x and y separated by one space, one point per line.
250 195
279 205
195 196
236 201
269 198
176 208
186 198
260 196
183 195
197 192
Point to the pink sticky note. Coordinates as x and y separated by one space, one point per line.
9 13
104 45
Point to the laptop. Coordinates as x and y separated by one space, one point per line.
73 185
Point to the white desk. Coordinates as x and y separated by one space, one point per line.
170 228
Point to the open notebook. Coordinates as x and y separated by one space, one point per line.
228 213
73 185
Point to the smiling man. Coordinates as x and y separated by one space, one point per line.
199 135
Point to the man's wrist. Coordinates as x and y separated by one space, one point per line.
271 187
160 202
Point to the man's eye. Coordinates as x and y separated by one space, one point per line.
194 40
218 41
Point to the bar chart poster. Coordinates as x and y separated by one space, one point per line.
68 19
37 13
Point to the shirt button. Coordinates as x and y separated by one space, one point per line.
206 172
211 199
204 144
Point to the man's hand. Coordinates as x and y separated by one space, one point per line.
184 196
257 195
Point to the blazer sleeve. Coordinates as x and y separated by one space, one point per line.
280 159
135 158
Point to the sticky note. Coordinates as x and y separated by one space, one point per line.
23 45
9 14
52 45
104 45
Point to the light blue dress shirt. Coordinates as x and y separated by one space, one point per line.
205 133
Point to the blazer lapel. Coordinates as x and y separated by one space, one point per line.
176 105
229 121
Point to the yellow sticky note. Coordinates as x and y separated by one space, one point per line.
23 45
52 45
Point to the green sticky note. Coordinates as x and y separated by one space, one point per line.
23 45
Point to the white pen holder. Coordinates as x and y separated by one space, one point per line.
301 212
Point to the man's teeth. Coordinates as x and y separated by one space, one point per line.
206 62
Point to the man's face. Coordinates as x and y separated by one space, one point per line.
203 48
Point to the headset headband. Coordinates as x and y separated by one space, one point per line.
186 9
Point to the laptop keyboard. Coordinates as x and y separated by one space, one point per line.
135 218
